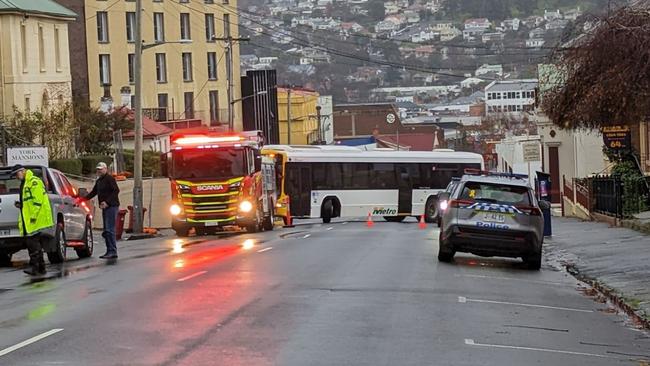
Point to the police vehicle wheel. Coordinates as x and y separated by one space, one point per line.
327 211
5 259
534 262
431 210
58 244
445 254
87 250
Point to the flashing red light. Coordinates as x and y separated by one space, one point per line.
459 203
206 140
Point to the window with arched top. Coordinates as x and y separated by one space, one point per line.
60 99
45 105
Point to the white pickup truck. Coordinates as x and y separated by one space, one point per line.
73 218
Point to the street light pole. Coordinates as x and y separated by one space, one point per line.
137 158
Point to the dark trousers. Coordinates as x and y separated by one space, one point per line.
35 253
109 215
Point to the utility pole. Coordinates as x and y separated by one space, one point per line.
229 66
318 116
289 115
137 163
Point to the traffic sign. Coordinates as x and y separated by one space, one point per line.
390 118
531 152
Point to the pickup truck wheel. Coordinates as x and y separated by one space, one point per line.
431 210
89 241
5 259
59 253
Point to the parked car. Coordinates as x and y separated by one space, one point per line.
73 218
493 214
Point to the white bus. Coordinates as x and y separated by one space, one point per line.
328 183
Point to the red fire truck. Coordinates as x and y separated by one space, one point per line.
219 180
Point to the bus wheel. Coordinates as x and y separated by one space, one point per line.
394 218
327 211
431 210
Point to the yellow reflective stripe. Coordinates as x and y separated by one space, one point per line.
232 218
194 184
210 211
189 195
189 203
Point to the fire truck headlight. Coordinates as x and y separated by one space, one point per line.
175 209
245 206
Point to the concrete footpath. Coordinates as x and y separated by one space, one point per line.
615 260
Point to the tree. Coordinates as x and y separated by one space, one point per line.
604 75
95 128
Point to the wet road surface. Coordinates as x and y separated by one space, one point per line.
317 294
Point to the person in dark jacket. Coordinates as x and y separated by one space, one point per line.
107 192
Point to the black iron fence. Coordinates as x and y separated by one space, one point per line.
618 196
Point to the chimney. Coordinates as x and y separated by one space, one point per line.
106 101
125 93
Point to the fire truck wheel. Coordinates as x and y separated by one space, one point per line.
182 232
268 222
255 226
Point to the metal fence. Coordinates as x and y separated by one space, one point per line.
617 196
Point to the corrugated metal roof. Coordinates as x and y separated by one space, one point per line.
45 7
516 86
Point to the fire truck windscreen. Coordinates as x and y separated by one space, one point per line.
208 163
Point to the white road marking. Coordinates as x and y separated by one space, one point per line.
513 279
29 341
470 342
344 223
330 228
264 250
462 299
191 276
306 236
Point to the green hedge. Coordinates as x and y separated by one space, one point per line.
68 166
150 163
89 162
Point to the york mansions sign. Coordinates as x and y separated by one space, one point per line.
27 155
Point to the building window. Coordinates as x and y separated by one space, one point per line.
104 69
209 28
163 104
102 27
209 1
159 27
57 49
187 66
212 65
214 106
226 24
28 106
189 105
23 41
184 1
41 48
130 26
518 95
131 60
498 95
226 1
489 96
185 26
161 68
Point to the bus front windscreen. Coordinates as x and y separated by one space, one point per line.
208 163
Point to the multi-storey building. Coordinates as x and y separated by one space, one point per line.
34 63
185 64
511 96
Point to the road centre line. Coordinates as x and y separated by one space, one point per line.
191 276
29 341
463 300
306 236
264 250
330 228
470 342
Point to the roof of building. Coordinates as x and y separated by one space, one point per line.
44 7
512 85
150 128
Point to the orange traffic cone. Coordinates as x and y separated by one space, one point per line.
369 222
289 219
423 224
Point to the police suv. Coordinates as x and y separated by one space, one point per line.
493 214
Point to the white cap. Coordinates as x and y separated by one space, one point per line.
102 165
